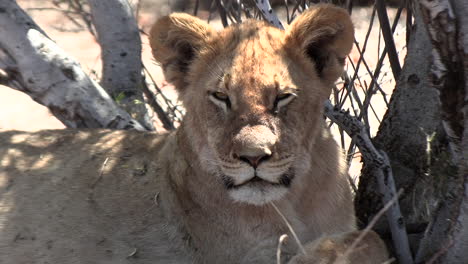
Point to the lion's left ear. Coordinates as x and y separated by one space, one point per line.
324 33
176 40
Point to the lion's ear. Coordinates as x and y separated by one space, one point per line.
175 41
324 34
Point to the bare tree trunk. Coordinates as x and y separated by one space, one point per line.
424 136
35 65
413 115
120 42
447 24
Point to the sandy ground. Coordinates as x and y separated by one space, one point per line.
19 111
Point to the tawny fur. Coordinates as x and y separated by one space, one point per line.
103 196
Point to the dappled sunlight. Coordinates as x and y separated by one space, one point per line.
52 175
44 162
18 138
3 180
9 159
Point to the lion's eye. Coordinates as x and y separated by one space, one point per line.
220 99
220 96
282 100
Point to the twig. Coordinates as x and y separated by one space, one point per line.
167 124
364 46
76 8
299 244
171 110
378 68
388 38
369 94
440 253
278 250
409 20
268 14
101 172
210 10
57 9
222 13
195 8
371 224
133 253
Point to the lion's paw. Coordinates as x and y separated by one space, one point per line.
348 248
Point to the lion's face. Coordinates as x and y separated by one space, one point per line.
254 95
258 114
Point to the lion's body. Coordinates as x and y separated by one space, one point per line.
253 138
97 196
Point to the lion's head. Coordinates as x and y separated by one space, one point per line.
254 93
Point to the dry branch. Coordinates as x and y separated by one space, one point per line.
380 164
47 74
388 38
268 13
166 122
222 12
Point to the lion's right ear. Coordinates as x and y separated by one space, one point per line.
324 34
175 41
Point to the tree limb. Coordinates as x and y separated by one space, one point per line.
268 13
388 38
52 78
382 169
120 42
166 122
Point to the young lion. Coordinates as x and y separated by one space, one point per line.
253 140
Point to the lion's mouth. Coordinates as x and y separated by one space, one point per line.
256 181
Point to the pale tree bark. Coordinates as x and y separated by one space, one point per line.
447 24
413 117
119 38
35 65
424 134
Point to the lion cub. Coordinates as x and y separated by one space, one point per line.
253 142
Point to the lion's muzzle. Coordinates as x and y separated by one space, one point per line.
254 144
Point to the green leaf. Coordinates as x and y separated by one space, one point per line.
120 97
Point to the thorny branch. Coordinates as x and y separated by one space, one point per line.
380 164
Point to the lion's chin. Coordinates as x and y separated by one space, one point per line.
257 194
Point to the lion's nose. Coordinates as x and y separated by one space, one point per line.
254 161
254 144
